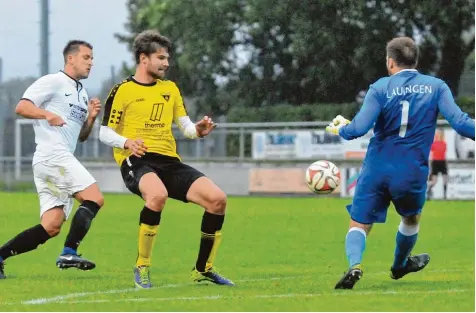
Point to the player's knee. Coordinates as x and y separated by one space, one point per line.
98 199
52 220
156 201
91 194
217 203
364 227
411 220
53 229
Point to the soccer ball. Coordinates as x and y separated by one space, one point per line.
322 177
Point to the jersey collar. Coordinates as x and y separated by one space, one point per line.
143 84
405 70
76 83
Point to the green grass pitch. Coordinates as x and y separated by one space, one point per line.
284 254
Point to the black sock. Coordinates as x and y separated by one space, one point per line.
445 187
81 223
211 223
149 217
25 241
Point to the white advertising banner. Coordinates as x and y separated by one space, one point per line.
306 144
460 184
317 144
274 145
357 148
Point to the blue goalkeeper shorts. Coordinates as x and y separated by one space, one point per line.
375 190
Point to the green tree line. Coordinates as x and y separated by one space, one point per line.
255 54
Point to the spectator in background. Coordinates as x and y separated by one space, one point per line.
438 163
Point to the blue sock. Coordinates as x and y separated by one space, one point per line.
404 246
67 250
355 246
1 259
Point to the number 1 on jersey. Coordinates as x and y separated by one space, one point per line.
404 121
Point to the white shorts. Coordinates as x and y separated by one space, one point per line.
58 180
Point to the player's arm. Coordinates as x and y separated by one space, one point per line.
181 118
365 118
39 92
94 107
188 128
86 129
113 113
460 121
193 130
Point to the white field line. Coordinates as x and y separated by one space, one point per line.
92 293
288 295
62 298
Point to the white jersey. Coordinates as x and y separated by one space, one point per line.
64 96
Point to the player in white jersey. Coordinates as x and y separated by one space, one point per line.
63 114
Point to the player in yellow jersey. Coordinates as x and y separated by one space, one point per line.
138 118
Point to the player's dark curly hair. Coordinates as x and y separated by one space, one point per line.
404 51
72 47
148 42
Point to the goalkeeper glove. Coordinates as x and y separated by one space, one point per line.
337 123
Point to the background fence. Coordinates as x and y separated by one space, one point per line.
245 158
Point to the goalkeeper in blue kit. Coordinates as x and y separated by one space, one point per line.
404 108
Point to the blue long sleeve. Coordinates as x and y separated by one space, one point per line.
460 121
365 118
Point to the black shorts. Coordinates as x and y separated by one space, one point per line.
176 176
439 166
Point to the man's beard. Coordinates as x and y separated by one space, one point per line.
155 75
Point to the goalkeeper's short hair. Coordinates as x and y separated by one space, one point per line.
404 51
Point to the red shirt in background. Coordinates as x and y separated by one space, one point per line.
438 150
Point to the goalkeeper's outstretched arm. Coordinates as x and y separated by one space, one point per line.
365 118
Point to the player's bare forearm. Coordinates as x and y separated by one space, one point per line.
27 109
86 129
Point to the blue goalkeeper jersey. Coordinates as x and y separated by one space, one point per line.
404 108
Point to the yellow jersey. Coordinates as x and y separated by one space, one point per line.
144 111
